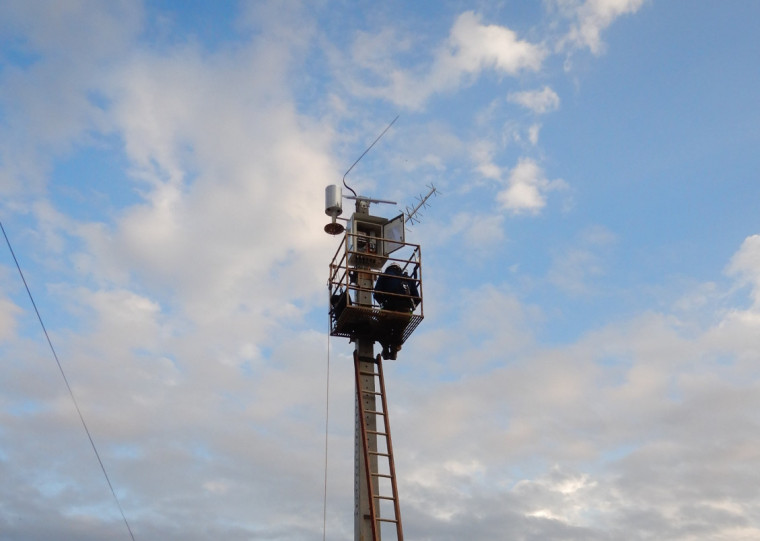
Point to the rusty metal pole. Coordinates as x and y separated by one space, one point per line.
364 350
363 526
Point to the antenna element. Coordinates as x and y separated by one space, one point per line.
413 214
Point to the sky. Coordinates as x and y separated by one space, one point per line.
589 363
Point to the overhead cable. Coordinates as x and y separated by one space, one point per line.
66 381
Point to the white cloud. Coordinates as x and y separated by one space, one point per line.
177 300
471 48
745 266
489 170
250 169
527 188
533 132
480 232
619 411
591 18
82 28
571 270
539 101
482 153
474 47
577 264
9 311
66 45
179 321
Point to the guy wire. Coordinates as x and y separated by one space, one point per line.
66 381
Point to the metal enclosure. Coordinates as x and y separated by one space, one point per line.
333 200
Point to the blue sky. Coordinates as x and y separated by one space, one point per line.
588 363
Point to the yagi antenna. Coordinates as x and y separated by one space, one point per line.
413 214
388 127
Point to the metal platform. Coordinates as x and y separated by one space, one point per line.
374 324
352 319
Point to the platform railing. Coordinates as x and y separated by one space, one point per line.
344 289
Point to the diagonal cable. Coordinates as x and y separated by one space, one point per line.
65 379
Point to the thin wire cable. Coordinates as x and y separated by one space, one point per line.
388 127
65 379
327 422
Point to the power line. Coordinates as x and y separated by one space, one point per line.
65 379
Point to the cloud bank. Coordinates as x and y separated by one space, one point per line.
165 196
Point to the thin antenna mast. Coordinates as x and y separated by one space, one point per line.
388 127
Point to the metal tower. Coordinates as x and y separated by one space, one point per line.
375 289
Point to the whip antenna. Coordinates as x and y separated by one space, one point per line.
388 127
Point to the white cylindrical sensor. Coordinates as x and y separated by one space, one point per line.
333 200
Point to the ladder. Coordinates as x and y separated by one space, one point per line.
377 478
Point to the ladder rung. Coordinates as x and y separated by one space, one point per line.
367 398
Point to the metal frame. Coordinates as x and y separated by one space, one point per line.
350 319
